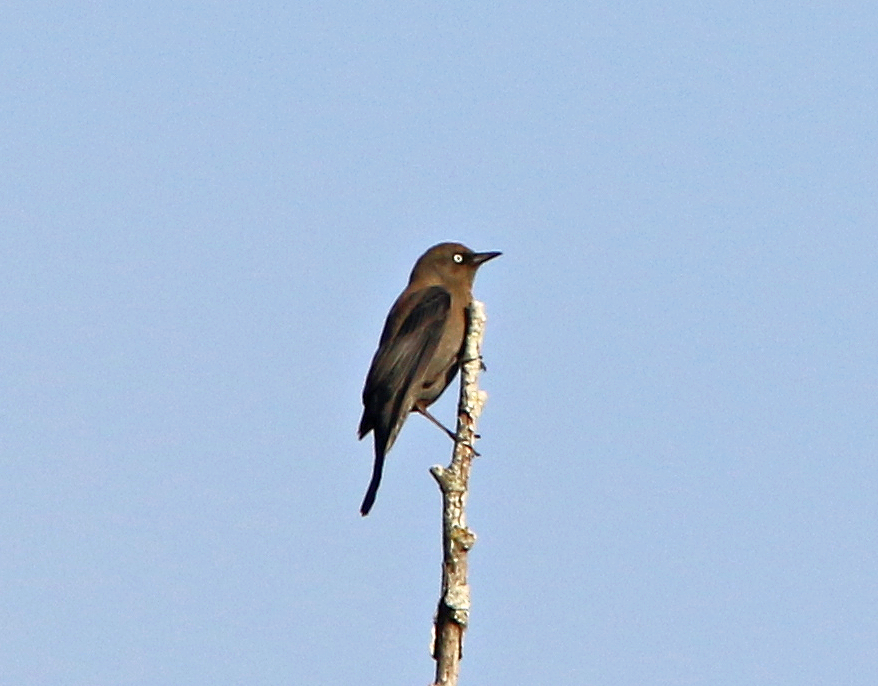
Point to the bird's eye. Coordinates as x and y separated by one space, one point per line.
458 258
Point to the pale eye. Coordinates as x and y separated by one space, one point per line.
458 258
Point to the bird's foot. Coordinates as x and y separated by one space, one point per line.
480 359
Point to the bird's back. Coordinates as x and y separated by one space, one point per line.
411 362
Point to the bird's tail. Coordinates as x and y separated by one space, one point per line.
372 491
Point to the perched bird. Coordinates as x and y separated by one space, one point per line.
420 348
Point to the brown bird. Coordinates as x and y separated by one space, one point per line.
420 348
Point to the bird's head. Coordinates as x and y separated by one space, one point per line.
449 263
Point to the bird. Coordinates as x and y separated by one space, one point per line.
420 349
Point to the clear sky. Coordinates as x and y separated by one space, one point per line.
207 210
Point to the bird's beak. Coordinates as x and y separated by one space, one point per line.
482 257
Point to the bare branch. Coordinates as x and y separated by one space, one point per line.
452 614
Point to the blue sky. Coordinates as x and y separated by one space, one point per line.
208 210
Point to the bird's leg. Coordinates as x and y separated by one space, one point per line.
421 408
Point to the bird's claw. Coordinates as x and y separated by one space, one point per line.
480 359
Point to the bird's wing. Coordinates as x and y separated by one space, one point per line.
402 357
